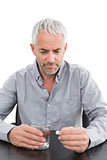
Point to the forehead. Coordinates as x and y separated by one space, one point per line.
46 39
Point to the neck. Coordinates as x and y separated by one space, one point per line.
48 77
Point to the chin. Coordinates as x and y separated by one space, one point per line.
50 73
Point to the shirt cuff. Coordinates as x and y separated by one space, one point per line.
95 138
4 130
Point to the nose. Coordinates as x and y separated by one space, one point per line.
50 57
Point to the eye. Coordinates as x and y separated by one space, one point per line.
44 51
56 51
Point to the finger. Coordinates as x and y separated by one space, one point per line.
74 143
33 137
81 137
32 130
73 131
29 142
77 149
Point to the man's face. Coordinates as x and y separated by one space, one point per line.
49 52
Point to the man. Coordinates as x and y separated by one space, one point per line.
55 92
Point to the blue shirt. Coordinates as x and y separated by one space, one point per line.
73 90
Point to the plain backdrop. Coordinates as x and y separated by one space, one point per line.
86 24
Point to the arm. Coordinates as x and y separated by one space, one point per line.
7 102
23 135
79 139
95 108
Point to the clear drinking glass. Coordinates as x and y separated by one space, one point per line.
46 134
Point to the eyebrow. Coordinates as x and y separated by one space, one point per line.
43 49
57 49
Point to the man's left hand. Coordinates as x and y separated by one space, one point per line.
75 139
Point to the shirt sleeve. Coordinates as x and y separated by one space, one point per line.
8 99
95 108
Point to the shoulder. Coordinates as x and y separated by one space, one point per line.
78 73
21 73
76 68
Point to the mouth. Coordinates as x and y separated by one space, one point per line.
50 66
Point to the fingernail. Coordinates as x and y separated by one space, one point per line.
60 133
41 144
41 134
43 140
59 138
36 147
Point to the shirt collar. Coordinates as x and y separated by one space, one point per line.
58 76
35 70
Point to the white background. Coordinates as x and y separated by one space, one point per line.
86 24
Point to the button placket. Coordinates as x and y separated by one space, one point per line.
48 113
44 90
48 105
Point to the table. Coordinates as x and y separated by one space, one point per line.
55 152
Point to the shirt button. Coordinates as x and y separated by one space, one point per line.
48 105
44 90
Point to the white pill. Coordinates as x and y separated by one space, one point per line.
57 132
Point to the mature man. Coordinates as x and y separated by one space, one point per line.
55 92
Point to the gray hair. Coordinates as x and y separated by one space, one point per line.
49 26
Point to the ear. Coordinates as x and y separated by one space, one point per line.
65 46
32 48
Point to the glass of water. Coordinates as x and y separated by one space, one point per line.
46 134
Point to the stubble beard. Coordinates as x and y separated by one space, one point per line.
50 73
42 67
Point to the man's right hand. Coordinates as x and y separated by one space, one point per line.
26 136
